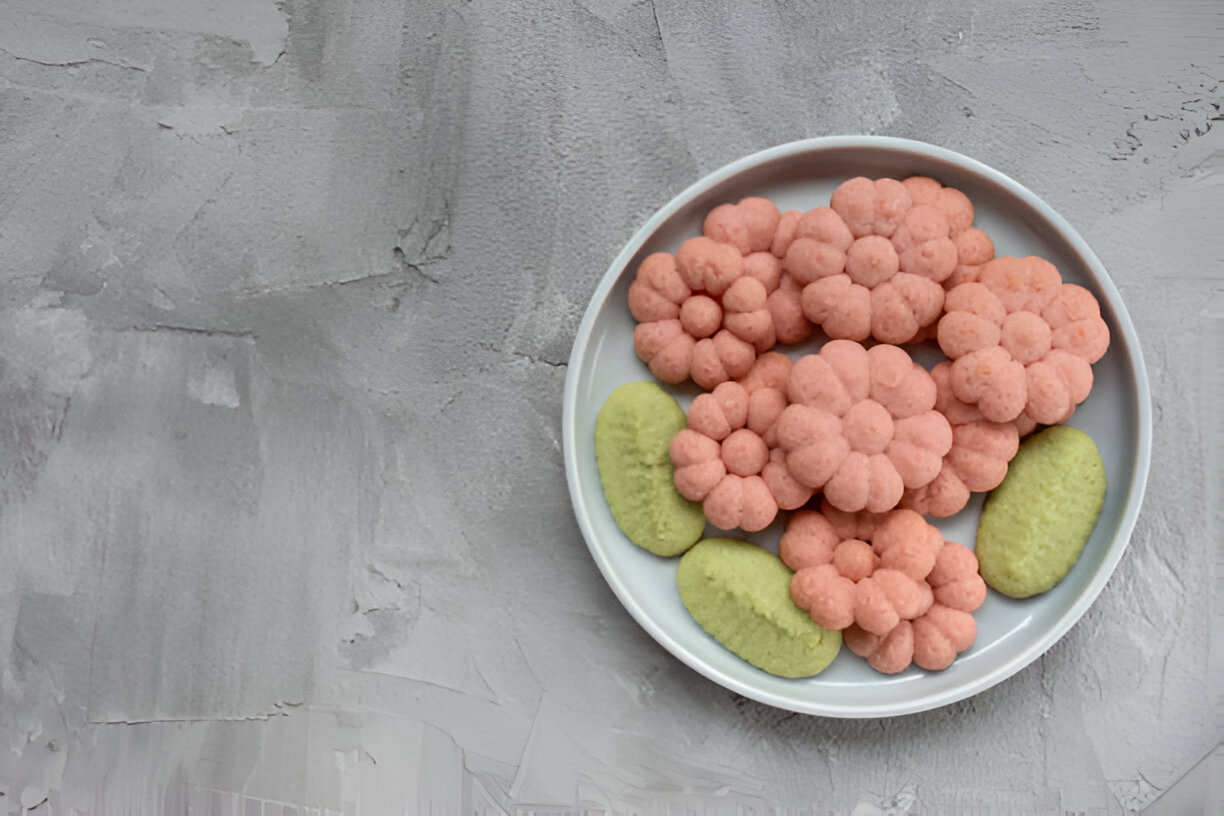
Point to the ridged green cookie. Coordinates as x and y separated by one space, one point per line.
740 594
633 430
1035 524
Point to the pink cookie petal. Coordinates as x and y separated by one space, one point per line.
827 596
787 492
808 541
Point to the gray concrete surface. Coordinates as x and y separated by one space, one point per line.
287 291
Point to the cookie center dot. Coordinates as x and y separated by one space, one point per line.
868 427
1026 336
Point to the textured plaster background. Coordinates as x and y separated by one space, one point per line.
287 291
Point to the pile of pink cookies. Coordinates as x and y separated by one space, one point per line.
859 427
886 264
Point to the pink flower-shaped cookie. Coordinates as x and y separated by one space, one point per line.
718 461
676 301
1022 341
875 586
872 286
977 460
725 478
861 425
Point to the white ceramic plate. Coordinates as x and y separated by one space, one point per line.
1011 634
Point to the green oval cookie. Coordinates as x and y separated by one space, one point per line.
740 594
633 430
1035 524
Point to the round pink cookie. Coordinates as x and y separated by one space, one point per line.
922 189
981 451
973 320
898 383
918 447
903 307
945 496
861 425
1055 384
871 260
823 224
813 442
1022 284
952 203
839 306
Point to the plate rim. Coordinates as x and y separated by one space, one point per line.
1136 486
